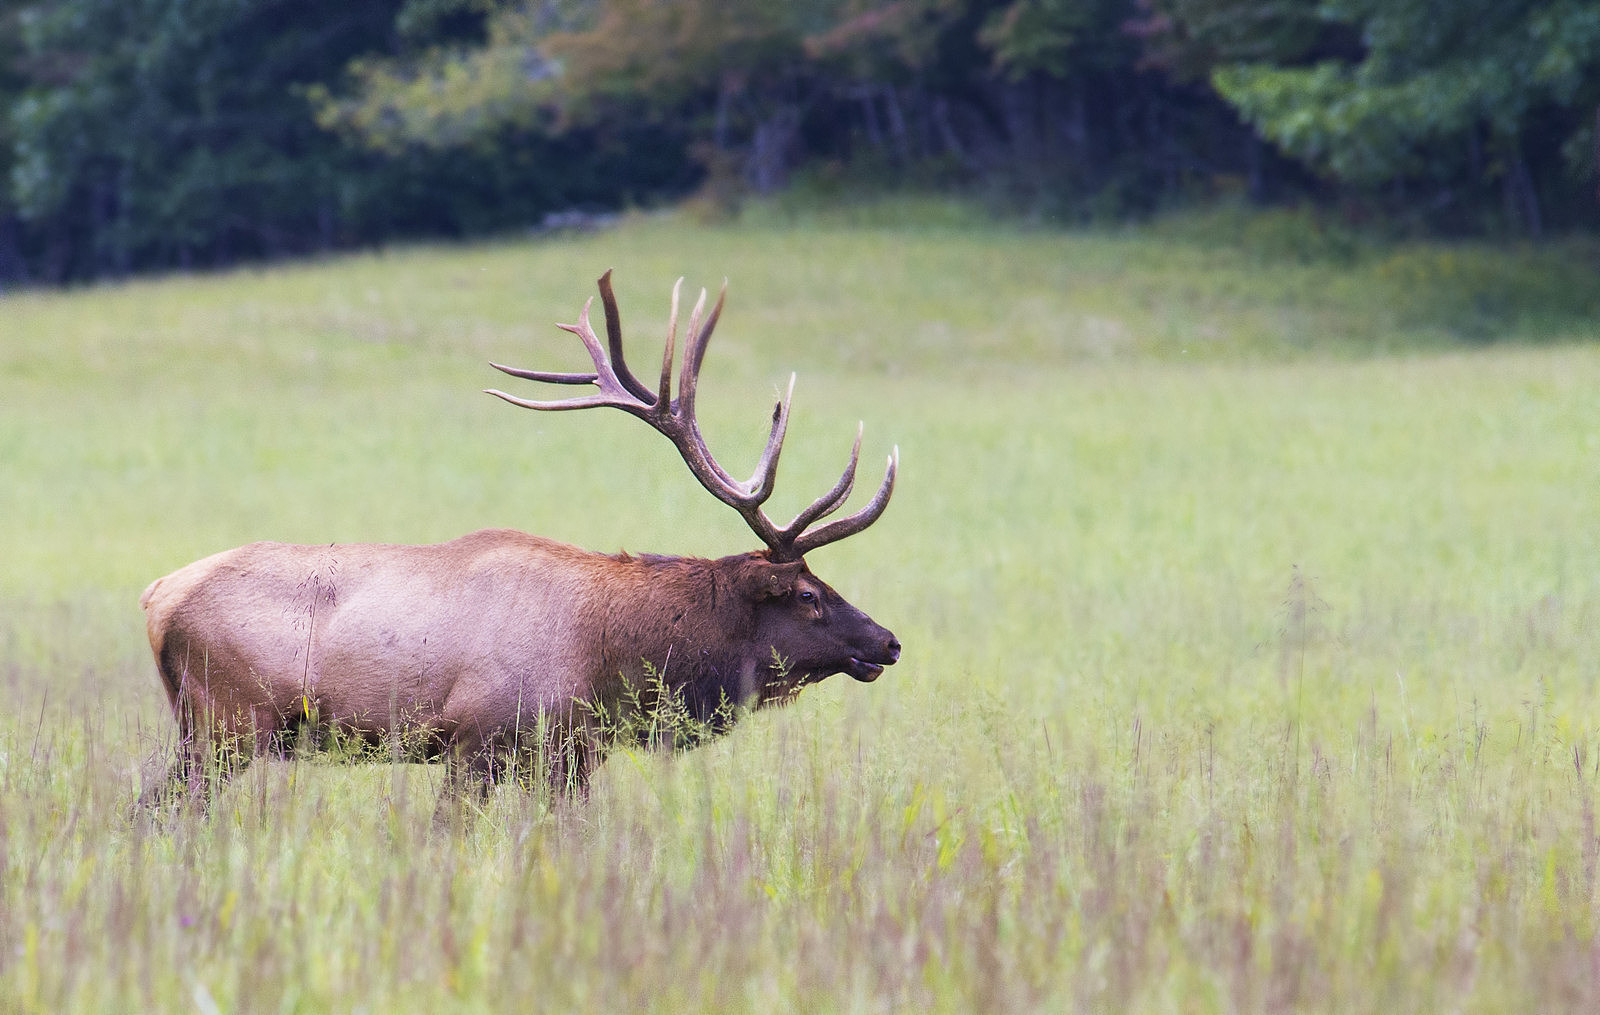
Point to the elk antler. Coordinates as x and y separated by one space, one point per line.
675 419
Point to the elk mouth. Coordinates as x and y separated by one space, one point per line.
863 671
868 670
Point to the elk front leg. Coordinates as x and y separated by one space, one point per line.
473 764
220 728
202 765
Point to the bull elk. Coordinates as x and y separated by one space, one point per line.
501 647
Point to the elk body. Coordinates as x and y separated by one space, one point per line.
499 645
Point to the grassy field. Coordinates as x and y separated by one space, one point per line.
1249 580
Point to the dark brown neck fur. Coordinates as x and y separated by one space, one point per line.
683 617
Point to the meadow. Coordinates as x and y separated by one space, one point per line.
1248 576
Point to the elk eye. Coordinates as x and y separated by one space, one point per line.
808 597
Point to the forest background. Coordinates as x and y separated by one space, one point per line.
153 134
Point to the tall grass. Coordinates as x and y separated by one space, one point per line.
1251 608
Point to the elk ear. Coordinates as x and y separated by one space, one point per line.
761 580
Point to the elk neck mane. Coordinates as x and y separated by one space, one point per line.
683 615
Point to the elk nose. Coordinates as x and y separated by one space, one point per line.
893 648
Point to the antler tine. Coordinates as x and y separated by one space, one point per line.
694 351
849 526
608 301
585 332
703 339
698 338
834 499
760 486
613 390
549 377
664 396
581 402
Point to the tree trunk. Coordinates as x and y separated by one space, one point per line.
1522 200
101 208
940 114
326 219
1474 154
122 229
768 166
897 125
719 130
869 116
12 266
1019 113
1255 174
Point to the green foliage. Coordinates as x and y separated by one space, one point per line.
1053 37
1032 100
732 74
180 129
183 133
656 716
450 96
1431 74
11 84
1189 38
432 22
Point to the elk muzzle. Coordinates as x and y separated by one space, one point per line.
868 666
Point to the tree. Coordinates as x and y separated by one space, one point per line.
1053 37
13 79
1039 99
737 76
1189 39
177 131
1443 93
